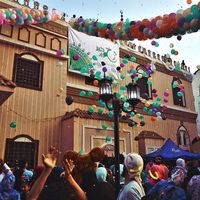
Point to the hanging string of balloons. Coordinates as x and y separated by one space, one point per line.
27 16
168 25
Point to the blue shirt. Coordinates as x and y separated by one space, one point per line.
166 190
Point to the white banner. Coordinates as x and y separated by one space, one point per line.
87 52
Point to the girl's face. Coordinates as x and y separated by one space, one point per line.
25 188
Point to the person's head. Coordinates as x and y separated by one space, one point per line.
156 173
25 187
134 164
101 174
178 176
148 166
180 162
23 164
158 160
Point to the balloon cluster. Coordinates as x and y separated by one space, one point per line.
180 86
179 23
154 43
27 16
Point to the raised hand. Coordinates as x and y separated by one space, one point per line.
69 166
49 160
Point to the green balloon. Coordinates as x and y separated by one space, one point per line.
29 17
132 114
145 109
150 112
177 67
110 114
104 126
8 14
81 152
118 95
122 77
133 59
90 93
108 138
125 60
13 124
159 99
90 109
82 93
174 85
100 111
141 116
157 44
134 71
173 51
136 78
144 74
123 88
179 94
123 99
149 82
94 58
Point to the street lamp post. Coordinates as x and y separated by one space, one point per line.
133 98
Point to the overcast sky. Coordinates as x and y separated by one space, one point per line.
109 11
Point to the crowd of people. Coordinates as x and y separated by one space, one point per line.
153 181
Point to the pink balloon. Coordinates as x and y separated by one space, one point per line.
166 94
165 100
164 108
155 95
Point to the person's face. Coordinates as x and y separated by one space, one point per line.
25 188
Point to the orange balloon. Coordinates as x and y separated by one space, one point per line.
95 82
153 119
189 1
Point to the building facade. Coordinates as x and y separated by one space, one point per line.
35 82
180 125
196 92
30 118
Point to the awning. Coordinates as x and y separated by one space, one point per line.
6 88
170 151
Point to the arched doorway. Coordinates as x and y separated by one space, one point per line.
19 148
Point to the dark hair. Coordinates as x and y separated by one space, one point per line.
22 164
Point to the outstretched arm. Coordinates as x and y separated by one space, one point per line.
49 162
79 193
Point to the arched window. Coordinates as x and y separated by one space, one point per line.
145 89
21 148
183 137
28 71
178 100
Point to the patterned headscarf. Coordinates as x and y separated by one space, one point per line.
6 188
134 165
7 182
178 176
180 162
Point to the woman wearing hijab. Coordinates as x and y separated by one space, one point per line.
102 185
169 189
133 189
6 188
